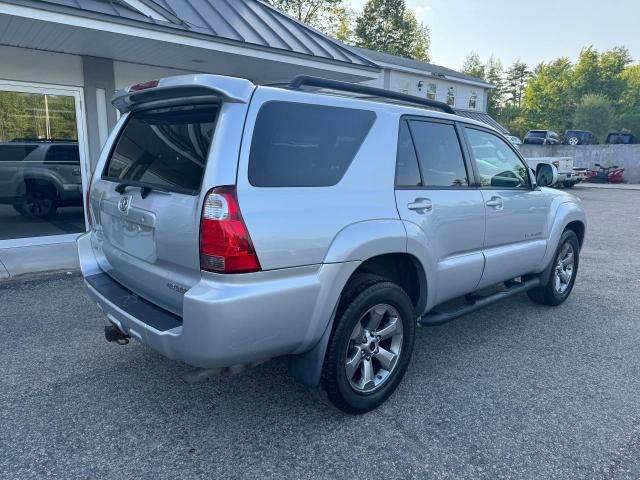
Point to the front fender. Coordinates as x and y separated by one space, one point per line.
563 215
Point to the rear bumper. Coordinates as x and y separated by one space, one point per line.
226 319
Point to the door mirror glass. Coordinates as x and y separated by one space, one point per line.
546 175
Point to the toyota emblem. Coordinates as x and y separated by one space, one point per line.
123 204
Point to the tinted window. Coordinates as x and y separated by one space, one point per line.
439 154
63 153
407 171
498 165
166 147
537 134
297 145
15 153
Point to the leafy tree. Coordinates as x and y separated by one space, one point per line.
594 113
630 97
601 73
517 77
388 26
321 14
548 100
629 122
473 66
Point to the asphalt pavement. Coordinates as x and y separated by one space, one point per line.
516 390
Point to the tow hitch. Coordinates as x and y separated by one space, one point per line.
114 334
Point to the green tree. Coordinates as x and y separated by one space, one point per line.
389 26
517 77
494 76
548 100
601 73
473 66
596 114
629 101
321 14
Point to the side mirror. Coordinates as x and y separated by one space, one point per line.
597 164
546 175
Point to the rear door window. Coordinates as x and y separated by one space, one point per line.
305 145
164 147
439 154
15 153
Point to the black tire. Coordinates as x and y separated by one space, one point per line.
568 184
365 292
548 294
40 201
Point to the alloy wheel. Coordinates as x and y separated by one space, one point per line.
563 272
374 348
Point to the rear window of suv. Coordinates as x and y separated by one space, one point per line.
164 147
304 145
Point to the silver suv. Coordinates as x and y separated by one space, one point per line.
233 223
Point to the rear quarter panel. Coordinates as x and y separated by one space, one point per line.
292 226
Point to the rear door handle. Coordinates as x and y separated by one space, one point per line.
495 202
421 204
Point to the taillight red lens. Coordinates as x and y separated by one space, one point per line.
225 245
556 163
143 86
87 205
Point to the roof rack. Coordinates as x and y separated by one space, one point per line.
41 140
307 80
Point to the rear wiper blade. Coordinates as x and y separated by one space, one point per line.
145 190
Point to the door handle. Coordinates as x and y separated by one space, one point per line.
421 204
495 202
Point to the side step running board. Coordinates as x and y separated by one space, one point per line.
434 318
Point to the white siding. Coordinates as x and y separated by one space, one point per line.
28 65
408 83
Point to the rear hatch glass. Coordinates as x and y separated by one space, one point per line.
164 148
149 206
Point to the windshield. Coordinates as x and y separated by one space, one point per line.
164 147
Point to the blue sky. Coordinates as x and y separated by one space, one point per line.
534 31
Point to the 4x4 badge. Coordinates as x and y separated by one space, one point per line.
124 203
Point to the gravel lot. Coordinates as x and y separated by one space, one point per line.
513 391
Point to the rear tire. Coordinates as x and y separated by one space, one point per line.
40 201
563 274
568 184
371 344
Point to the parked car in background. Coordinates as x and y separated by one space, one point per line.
514 140
579 137
620 138
38 176
542 137
232 223
564 165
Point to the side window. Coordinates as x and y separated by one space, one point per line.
15 153
407 171
439 154
498 165
62 153
305 145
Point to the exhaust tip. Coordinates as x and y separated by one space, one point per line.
114 334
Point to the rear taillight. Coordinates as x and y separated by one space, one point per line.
143 86
556 163
225 245
87 203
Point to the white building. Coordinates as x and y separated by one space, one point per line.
466 94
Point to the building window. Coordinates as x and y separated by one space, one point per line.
403 86
431 91
451 96
473 100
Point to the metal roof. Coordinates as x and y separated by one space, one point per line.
482 117
435 70
248 22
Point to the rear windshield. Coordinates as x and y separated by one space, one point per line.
164 147
304 145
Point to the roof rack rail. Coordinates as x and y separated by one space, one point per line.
310 81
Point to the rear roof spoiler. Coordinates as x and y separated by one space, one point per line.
228 89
